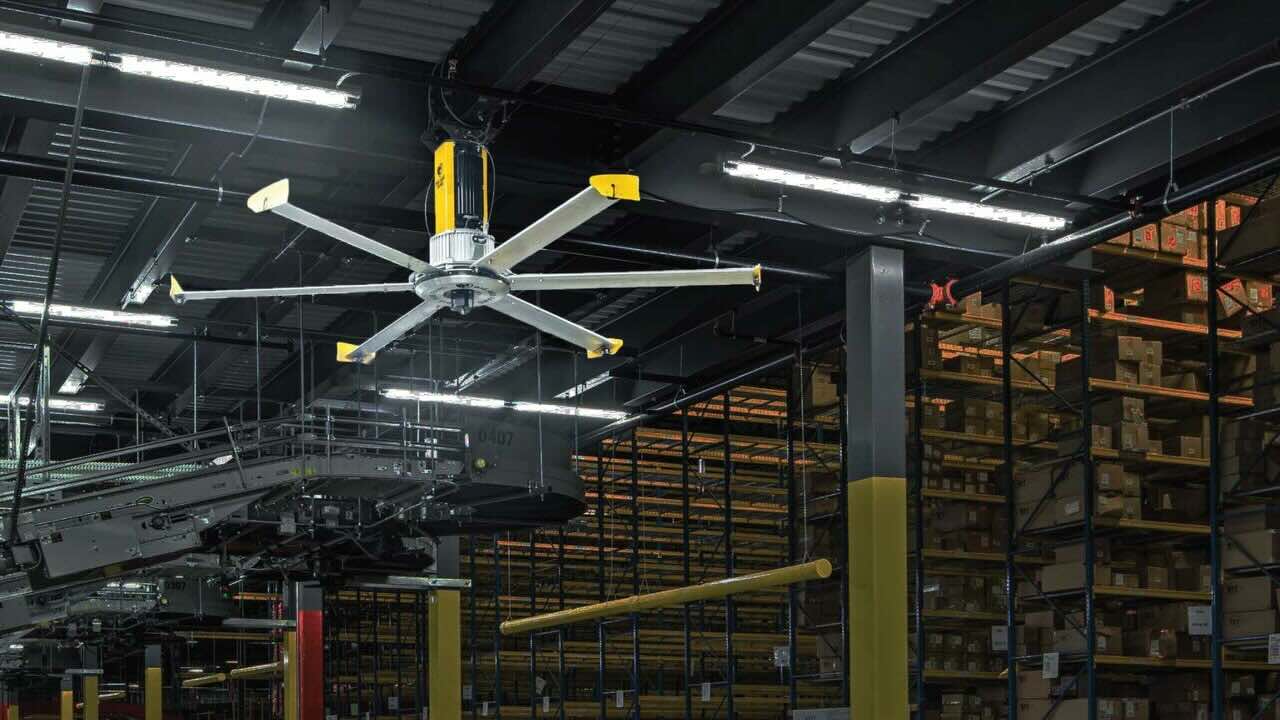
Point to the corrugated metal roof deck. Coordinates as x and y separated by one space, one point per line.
867 31
417 29
621 41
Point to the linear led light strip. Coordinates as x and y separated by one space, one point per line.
177 71
75 312
496 403
884 194
60 404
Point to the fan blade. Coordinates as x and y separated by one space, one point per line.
400 327
605 190
664 278
275 198
594 343
179 295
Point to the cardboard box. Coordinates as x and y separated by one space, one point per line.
1249 623
1261 544
1177 287
1112 478
1155 578
1146 237
1149 373
1070 576
1189 313
1109 641
1184 446
1174 504
1126 348
1247 594
1113 409
1131 436
1033 686
1074 553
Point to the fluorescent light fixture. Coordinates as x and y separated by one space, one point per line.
884 194
233 81
60 404
204 76
495 404
73 384
74 312
582 387
46 49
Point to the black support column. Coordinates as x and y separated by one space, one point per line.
876 484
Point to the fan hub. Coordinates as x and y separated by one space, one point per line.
460 289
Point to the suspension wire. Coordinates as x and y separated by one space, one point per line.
42 336
257 372
542 480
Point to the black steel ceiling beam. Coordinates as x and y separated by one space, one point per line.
387 125
28 137
967 46
1226 118
1087 101
302 26
517 40
710 66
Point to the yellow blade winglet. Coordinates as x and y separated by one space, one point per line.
618 187
175 290
612 348
756 276
270 197
344 354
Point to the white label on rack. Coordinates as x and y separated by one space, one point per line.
484 709
781 656
546 703
1071 508
355 710
393 703
999 638
1049 668
466 692
706 692
1199 620
618 700
1273 649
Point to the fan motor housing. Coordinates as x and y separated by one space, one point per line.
459 248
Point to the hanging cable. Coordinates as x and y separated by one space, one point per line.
42 335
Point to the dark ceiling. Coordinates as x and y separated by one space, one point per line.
664 88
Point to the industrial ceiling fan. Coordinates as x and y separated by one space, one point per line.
466 270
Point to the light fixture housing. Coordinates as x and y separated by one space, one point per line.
585 386
788 177
101 315
497 404
274 88
57 403
277 88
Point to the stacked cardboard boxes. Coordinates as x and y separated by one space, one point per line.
1118 494
1038 696
966 651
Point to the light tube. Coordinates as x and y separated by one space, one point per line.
56 403
204 76
884 194
584 386
233 81
75 312
46 49
496 403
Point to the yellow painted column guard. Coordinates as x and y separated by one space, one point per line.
816 570
153 694
90 691
67 705
289 666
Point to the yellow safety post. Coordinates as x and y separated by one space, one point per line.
289 667
444 655
67 701
878 622
153 681
90 691
816 570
